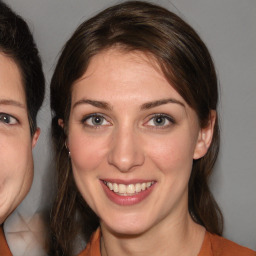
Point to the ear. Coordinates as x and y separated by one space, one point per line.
61 123
35 137
205 137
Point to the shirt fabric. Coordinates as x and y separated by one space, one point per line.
4 248
213 245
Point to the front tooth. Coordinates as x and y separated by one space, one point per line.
122 189
110 186
138 187
130 189
115 187
143 186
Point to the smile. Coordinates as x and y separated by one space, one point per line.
130 189
127 193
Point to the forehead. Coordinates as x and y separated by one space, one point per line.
11 86
117 73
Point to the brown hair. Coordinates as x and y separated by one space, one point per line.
187 65
16 41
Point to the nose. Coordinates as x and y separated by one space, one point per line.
125 152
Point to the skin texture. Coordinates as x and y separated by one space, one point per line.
16 143
128 146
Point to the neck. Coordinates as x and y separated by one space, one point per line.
180 237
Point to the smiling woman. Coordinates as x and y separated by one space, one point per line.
135 126
144 140
21 95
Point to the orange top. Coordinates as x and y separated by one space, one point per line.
213 245
4 249
93 247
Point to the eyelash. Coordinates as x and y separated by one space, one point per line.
166 118
4 117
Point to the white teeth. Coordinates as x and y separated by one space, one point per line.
110 186
137 188
128 189
122 188
115 187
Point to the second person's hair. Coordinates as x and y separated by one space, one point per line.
16 42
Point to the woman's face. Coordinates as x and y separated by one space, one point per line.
132 140
16 144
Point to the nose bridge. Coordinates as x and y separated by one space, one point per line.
125 149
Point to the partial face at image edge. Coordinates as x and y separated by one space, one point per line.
16 142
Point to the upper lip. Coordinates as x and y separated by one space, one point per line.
127 182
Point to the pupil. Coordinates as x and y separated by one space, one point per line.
159 121
97 120
6 119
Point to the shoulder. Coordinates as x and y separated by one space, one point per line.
4 248
224 247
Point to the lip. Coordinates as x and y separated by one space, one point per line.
126 200
126 182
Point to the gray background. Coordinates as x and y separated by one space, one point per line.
228 28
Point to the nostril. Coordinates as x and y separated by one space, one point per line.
125 160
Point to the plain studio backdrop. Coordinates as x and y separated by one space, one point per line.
228 27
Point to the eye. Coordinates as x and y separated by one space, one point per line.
160 120
95 120
7 119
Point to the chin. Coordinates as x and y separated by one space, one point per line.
126 226
127 231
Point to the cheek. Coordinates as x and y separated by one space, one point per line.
87 152
172 153
87 158
16 172
16 157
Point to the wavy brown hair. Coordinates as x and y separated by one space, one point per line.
186 64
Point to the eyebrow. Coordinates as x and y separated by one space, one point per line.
157 103
145 106
12 103
95 103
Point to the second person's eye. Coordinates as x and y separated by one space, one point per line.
7 119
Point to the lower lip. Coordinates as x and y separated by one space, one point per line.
127 200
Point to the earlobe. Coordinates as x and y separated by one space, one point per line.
35 137
205 137
61 123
